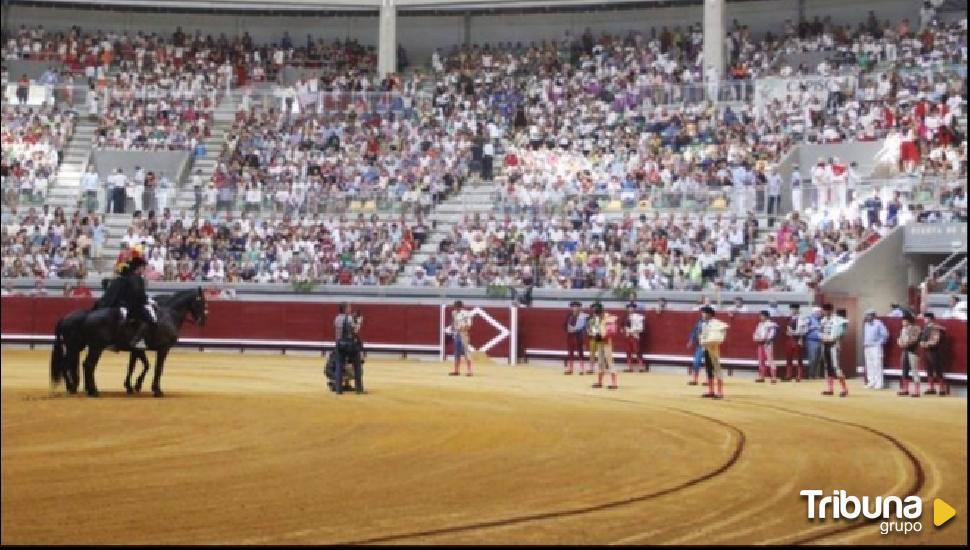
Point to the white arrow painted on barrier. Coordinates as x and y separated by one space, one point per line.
503 332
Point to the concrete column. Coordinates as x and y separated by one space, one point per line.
387 40
466 37
715 32
7 26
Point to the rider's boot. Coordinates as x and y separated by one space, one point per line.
138 340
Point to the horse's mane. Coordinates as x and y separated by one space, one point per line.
181 294
167 299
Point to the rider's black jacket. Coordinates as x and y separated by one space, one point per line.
128 291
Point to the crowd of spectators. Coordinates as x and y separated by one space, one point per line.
150 92
301 163
225 249
577 120
923 75
656 252
97 53
169 110
557 126
614 116
45 243
32 140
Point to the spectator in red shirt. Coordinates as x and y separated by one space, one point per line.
79 291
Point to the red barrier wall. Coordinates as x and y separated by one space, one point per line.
26 315
406 324
302 321
667 332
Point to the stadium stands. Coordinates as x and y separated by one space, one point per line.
590 162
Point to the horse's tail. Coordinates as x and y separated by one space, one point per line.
57 355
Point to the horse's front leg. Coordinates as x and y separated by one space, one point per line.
131 367
144 370
90 362
159 366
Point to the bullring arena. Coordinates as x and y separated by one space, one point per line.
747 217
251 449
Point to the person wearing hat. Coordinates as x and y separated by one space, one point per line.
128 292
764 339
796 330
833 330
602 328
875 337
575 334
633 331
929 341
712 336
908 342
461 324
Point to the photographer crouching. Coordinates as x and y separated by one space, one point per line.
348 354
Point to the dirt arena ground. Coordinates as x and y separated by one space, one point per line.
252 449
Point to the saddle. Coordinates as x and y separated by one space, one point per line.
124 331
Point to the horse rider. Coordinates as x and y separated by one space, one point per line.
128 291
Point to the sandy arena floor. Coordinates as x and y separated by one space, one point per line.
253 449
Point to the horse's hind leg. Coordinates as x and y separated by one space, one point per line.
141 377
90 362
72 373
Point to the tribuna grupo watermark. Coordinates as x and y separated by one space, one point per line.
898 515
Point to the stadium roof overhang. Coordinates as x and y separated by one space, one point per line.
403 6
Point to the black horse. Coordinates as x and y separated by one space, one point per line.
67 348
103 328
68 327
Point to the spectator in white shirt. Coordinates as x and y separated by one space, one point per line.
90 182
117 183
958 308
